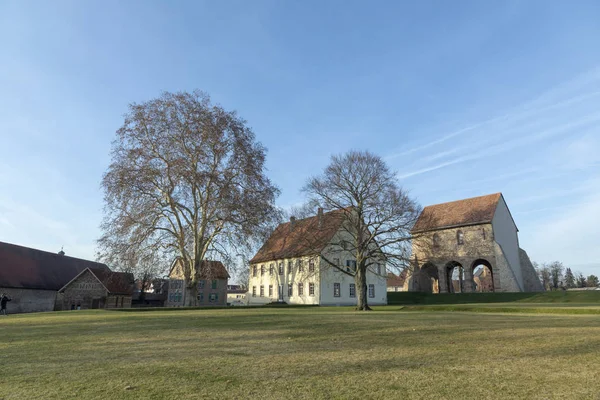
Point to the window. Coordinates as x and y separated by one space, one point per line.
311 266
280 268
271 269
200 297
213 298
350 265
336 290
289 267
483 232
254 271
262 291
460 239
253 291
262 270
311 289
352 290
371 291
344 245
336 261
300 289
378 269
214 284
201 284
270 290
436 241
290 290
300 266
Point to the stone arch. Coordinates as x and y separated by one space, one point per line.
455 274
428 278
483 276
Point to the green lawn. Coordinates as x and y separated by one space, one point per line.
299 353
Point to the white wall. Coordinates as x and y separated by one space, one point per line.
330 276
289 277
505 234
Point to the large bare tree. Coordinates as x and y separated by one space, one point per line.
378 214
186 180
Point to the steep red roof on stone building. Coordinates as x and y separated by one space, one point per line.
304 238
473 211
27 268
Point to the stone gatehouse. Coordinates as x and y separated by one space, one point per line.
470 245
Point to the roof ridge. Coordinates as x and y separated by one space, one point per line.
468 198
49 252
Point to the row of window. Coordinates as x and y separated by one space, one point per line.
299 266
460 238
178 297
178 284
350 265
311 290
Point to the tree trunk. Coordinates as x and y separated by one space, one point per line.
360 279
191 295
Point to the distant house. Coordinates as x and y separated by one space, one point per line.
289 267
237 295
33 277
396 283
212 285
96 288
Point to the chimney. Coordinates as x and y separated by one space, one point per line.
292 223
320 217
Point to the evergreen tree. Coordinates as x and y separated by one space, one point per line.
569 279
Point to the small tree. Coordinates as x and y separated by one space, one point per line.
543 272
377 214
556 274
569 279
581 281
145 265
592 281
186 180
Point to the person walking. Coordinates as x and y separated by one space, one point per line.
3 300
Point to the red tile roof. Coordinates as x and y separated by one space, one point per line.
306 238
115 282
27 268
396 280
473 211
209 270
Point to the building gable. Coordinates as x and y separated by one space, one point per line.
27 268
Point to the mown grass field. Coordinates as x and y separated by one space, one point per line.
299 353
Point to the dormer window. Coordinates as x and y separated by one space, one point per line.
460 239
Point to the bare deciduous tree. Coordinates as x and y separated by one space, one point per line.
186 180
378 214
543 272
556 273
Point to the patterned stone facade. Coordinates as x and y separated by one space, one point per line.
87 292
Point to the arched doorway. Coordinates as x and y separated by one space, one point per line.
429 279
456 277
483 276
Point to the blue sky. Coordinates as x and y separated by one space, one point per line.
461 98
